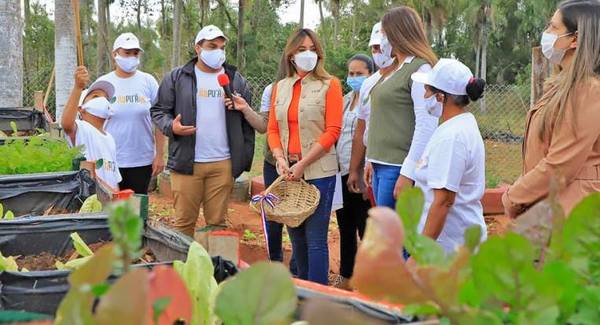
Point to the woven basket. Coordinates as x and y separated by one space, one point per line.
298 200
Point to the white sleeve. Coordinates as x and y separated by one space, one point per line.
447 164
265 101
425 125
363 107
153 87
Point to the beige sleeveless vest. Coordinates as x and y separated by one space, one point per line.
311 121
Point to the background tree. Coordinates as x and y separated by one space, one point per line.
65 54
11 60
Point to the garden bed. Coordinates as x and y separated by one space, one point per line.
43 238
26 120
38 194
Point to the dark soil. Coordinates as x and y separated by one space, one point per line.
46 261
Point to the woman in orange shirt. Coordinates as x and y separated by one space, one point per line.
305 120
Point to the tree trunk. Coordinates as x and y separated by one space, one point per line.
27 10
484 45
203 6
240 35
65 53
139 16
163 19
335 12
102 52
11 60
301 13
176 55
477 59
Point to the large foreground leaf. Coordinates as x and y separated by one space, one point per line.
264 294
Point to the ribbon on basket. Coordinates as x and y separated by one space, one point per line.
271 200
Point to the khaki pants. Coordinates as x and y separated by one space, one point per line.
210 185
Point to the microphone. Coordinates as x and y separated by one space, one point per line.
224 82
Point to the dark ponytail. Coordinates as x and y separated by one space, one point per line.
475 88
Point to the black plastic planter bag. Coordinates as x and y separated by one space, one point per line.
27 119
33 194
42 291
365 309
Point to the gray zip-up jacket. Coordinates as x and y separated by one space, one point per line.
177 95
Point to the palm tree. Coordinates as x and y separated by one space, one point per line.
65 53
11 60
176 55
102 48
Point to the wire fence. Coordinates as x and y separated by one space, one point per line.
500 114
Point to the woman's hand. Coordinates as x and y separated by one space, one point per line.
238 104
158 165
296 172
82 77
368 176
355 182
402 183
510 210
282 166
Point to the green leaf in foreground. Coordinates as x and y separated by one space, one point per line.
579 244
263 294
197 274
8 264
13 126
80 246
91 205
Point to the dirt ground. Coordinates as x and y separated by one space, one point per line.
252 245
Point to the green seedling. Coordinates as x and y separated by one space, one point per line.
249 235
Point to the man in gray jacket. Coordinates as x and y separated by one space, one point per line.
210 144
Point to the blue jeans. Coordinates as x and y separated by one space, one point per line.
384 181
275 229
309 240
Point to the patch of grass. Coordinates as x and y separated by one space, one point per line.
503 162
249 235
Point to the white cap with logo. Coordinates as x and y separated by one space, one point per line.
448 75
127 41
376 35
209 33
103 85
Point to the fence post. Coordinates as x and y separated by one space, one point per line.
540 71
38 100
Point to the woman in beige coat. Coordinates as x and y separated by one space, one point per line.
562 137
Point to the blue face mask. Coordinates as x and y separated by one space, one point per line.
355 82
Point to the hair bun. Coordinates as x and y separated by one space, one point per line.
475 88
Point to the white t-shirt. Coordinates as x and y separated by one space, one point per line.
344 143
211 128
364 105
98 146
131 124
454 159
265 100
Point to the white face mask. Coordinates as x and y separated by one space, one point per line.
384 58
551 53
127 64
306 61
213 58
99 107
434 108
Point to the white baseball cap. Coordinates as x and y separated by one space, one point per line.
209 33
104 85
127 41
448 75
376 35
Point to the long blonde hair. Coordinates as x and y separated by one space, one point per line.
582 18
293 44
404 29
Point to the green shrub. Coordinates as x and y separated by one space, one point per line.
37 154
